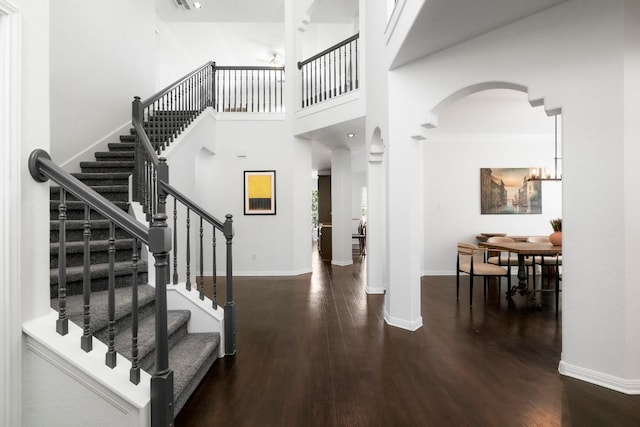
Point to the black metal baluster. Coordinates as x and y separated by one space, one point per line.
246 86
235 90
134 372
303 83
215 272
324 80
241 90
110 357
86 341
315 82
201 262
175 241
350 67
357 75
227 82
339 72
271 83
188 253
258 91
335 75
253 101
62 324
281 89
264 92
346 72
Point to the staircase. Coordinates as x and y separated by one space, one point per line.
191 354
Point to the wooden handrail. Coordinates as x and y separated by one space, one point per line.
329 50
174 192
42 168
175 84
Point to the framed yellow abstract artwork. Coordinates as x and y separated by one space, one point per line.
260 192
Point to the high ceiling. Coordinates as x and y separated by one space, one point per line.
335 11
441 24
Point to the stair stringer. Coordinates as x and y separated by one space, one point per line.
204 318
68 386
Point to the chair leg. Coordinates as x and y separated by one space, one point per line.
457 285
470 289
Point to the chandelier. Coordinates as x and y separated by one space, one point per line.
542 174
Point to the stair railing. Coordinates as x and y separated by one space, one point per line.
249 89
330 73
151 179
158 239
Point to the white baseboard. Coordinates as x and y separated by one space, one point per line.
410 325
375 290
604 380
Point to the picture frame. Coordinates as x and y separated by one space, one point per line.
260 192
507 191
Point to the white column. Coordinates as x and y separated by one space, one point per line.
341 207
376 219
402 300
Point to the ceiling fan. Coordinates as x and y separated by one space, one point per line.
184 4
276 60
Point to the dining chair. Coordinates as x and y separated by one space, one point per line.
471 261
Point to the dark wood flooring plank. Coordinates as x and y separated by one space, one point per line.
313 350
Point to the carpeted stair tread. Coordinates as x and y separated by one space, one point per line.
103 178
176 319
103 166
101 189
126 144
94 245
76 273
99 306
98 252
190 359
78 224
114 155
77 205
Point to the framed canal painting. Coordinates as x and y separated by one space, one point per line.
260 192
508 191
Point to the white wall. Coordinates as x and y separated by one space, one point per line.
571 55
492 129
32 298
173 58
102 55
319 37
229 43
214 178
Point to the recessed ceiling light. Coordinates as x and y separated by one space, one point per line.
197 4
351 135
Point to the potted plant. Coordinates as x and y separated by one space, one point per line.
556 237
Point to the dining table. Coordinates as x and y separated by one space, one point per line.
523 250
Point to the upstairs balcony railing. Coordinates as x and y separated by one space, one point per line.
249 89
330 73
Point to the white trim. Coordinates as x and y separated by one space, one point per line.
605 380
342 263
10 334
370 290
410 325
268 273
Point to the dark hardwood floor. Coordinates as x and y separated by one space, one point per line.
314 350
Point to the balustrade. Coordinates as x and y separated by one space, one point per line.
330 73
